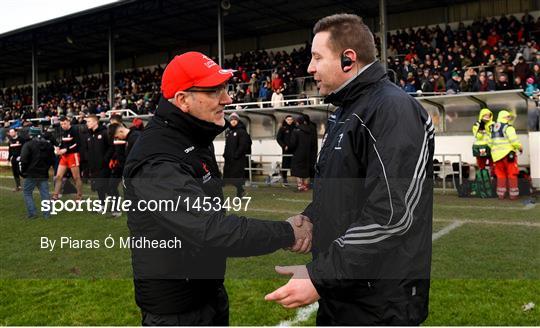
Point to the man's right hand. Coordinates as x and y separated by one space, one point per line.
303 233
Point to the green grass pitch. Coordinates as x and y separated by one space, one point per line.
483 271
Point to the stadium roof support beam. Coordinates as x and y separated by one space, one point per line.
34 73
479 102
383 29
441 108
111 68
220 34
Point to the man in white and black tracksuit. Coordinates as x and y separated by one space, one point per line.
372 197
174 157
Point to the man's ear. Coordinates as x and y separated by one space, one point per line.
181 101
351 54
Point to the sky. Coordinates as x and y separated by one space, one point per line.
15 14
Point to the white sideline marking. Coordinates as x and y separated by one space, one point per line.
512 208
446 230
270 210
304 313
36 191
301 315
294 200
495 207
509 223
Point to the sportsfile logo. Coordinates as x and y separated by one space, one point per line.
118 204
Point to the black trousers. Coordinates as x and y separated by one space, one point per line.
114 181
286 164
238 183
215 312
16 171
100 180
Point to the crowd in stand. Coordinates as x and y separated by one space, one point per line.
136 90
261 73
489 54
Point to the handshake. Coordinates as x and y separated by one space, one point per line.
303 233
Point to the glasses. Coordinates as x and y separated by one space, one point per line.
214 91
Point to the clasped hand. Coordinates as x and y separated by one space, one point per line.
303 233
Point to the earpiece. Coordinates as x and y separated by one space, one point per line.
346 61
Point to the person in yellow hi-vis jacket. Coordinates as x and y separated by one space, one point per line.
504 144
482 132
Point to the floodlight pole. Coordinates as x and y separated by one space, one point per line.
34 74
220 34
111 68
383 29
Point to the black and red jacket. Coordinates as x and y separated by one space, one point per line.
174 157
70 140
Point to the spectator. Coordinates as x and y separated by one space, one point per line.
314 146
481 84
254 85
301 147
518 83
410 86
531 88
426 81
263 92
492 86
237 146
37 156
438 83
277 82
15 145
503 83
277 99
535 74
493 38
283 138
521 69
468 81
453 84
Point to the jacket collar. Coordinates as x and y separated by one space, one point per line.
99 128
351 89
199 132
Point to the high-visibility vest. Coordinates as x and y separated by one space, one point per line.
503 140
482 137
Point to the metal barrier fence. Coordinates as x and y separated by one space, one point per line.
264 168
443 169
310 101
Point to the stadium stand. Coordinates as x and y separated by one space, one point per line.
489 54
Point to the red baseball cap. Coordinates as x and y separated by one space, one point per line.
192 69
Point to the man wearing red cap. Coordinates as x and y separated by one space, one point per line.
174 161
